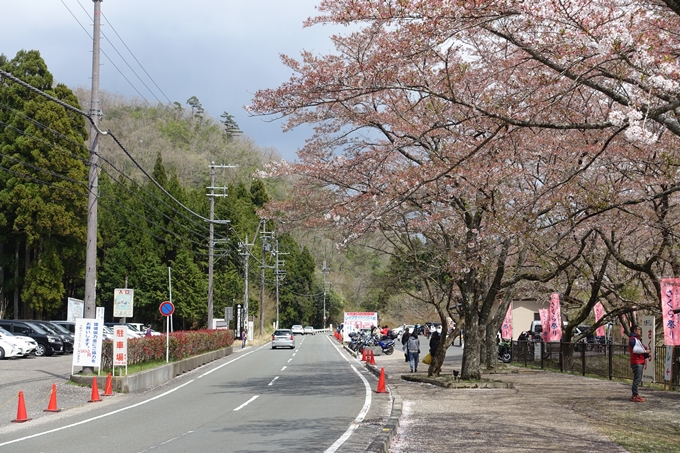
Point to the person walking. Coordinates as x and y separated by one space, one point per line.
413 346
243 338
434 342
404 344
638 354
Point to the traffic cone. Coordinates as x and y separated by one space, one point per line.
363 354
95 392
52 406
108 390
21 410
371 358
381 382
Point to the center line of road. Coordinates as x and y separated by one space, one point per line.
284 368
290 359
273 380
246 403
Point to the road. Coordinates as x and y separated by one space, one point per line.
258 400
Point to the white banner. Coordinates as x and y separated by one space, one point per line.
649 340
123 300
119 345
87 343
358 320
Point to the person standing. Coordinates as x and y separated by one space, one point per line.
404 343
434 342
638 354
243 338
413 346
148 330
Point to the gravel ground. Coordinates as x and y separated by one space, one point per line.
543 411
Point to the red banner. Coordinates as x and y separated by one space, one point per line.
545 322
506 328
670 300
599 313
554 319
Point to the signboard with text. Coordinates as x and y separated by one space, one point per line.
120 346
87 342
123 299
354 321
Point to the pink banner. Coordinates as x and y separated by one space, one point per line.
545 322
599 313
670 299
506 328
555 319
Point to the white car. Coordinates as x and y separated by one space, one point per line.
8 350
27 345
297 330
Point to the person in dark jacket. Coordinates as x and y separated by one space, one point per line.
434 342
638 354
404 342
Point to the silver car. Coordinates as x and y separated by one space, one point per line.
283 338
297 330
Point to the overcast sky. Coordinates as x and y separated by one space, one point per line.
220 51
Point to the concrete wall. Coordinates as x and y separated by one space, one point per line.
148 379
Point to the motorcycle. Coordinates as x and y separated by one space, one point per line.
386 344
505 351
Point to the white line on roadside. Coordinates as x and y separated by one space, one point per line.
273 380
246 403
367 404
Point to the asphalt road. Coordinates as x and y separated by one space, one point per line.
258 400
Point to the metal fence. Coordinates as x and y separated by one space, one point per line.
606 360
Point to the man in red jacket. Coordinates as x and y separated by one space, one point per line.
638 354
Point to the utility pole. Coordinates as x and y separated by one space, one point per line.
211 245
266 246
324 271
280 275
93 176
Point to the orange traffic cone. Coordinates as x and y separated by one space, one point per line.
52 406
363 354
21 410
372 358
381 382
108 390
95 391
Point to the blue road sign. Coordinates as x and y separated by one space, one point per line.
167 308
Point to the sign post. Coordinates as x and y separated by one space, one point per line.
167 309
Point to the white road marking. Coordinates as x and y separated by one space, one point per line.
367 404
273 380
289 360
284 368
246 403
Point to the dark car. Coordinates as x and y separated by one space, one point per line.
63 332
70 325
48 343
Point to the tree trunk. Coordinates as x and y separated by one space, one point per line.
473 342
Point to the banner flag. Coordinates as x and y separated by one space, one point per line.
545 322
506 328
555 319
599 313
670 299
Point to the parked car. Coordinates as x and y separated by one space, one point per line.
297 330
396 332
63 333
48 343
26 344
70 325
8 350
283 338
309 330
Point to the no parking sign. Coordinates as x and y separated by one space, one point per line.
167 308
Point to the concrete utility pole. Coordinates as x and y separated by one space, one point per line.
93 178
324 271
211 240
280 275
266 246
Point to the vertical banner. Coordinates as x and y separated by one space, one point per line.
123 299
119 345
506 328
354 321
670 299
599 313
668 366
87 343
649 340
545 322
555 319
